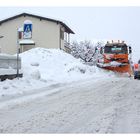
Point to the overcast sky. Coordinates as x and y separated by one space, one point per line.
92 22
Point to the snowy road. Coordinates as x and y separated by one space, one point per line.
102 106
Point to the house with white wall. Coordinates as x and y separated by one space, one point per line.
46 33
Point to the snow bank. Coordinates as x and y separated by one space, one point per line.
42 67
55 65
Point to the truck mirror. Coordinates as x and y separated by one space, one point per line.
101 50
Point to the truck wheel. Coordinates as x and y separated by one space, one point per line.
135 77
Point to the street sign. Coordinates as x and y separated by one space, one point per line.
27 30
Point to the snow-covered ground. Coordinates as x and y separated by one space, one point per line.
59 94
44 67
102 106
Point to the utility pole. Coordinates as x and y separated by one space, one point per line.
17 55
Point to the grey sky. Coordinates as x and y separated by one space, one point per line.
92 22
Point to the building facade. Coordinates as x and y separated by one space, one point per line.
46 33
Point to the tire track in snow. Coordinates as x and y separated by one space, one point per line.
84 107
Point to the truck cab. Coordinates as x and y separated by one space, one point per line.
115 56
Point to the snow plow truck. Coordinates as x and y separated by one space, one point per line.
115 56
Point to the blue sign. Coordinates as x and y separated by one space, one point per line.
27 31
27 27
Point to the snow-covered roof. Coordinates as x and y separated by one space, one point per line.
7 56
27 22
26 42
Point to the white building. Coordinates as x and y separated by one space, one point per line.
46 32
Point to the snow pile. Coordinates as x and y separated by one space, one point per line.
44 67
55 65
14 88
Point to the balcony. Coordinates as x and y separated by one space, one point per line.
67 46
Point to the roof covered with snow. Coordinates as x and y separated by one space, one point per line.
7 56
26 42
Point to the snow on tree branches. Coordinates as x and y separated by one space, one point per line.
85 50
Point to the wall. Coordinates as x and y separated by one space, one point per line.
45 34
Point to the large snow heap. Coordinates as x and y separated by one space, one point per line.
54 65
44 67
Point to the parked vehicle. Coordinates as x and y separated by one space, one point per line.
115 56
137 70
9 67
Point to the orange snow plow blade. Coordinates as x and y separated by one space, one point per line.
120 69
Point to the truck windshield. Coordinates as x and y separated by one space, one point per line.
116 49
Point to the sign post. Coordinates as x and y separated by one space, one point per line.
17 53
27 34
